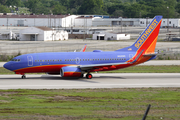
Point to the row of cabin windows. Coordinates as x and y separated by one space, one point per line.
47 60
80 60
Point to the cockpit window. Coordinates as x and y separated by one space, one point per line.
16 60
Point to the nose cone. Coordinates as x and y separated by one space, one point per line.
7 66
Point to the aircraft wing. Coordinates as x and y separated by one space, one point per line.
89 67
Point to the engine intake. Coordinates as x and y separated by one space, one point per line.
70 72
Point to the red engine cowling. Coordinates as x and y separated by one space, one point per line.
70 72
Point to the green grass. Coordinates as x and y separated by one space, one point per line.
86 104
135 69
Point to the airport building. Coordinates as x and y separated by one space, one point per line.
55 21
174 23
108 35
42 34
77 26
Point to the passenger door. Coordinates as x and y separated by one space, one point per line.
30 60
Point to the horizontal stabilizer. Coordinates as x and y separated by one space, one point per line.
150 54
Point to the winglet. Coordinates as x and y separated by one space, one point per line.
84 48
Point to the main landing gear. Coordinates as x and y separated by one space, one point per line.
89 76
23 77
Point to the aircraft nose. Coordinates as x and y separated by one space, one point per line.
7 66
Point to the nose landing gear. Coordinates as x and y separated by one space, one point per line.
23 77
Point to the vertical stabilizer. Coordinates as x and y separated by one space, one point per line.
147 40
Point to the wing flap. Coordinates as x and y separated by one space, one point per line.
89 67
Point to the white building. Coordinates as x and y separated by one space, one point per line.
83 21
110 36
172 22
37 20
78 21
41 34
7 35
98 21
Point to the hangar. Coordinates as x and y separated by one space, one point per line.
110 36
41 34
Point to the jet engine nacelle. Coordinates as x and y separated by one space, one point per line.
70 72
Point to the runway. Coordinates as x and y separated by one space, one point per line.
112 80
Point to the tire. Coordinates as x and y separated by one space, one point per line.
89 76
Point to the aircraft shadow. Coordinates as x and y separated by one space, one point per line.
45 77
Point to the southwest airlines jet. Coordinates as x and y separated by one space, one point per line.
76 64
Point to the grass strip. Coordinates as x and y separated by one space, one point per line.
86 104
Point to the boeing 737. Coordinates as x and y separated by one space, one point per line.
76 64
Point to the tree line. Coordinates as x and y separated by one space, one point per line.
113 8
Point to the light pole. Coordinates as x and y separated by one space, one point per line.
147 21
121 23
167 19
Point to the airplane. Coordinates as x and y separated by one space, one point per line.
76 64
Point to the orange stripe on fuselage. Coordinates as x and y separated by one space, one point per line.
42 69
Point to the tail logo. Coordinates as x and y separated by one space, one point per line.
146 34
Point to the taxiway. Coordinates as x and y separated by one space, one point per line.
113 80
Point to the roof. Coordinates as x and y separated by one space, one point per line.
30 33
82 17
33 16
44 28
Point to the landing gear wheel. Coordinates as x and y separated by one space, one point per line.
23 77
89 76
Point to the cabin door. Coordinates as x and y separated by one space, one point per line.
30 60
